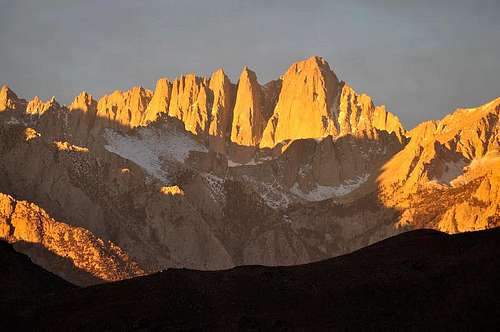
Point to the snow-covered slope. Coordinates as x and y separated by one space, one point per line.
153 148
320 193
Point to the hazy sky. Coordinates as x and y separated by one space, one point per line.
421 58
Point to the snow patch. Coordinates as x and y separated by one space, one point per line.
320 193
215 185
13 121
252 162
272 194
150 148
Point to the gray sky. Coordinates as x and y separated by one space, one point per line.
421 58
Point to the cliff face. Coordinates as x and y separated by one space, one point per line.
159 102
248 115
124 109
190 103
447 175
357 115
439 150
9 100
306 104
37 107
222 110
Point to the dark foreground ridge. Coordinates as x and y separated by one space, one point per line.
20 277
417 280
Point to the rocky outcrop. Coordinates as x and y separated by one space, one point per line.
10 101
82 114
469 203
438 151
122 110
190 103
37 107
248 114
447 175
334 161
314 104
305 108
222 110
159 102
73 253
175 222
357 115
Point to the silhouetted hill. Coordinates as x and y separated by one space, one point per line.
417 280
20 277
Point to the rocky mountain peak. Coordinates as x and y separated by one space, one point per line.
159 103
305 107
222 109
38 107
84 102
124 109
190 102
358 115
9 100
248 119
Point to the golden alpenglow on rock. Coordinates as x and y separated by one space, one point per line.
124 109
35 233
9 100
38 107
172 190
358 114
248 119
305 107
159 103
189 102
84 103
220 123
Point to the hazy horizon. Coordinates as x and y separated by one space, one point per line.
422 59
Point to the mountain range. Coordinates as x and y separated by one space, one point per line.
206 174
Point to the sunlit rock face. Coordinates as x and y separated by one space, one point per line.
438 150
37 107
248 114
314 104
123 109
190 103
159 102
83 258
305 107
84 103
447 175
10 101
357 115
223 93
